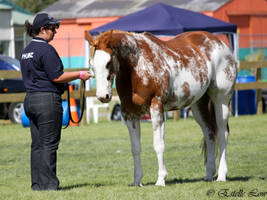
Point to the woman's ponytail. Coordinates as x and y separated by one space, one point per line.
31 32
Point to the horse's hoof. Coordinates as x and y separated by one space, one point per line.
136 185
160 183
221 179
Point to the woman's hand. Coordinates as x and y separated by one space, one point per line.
85 75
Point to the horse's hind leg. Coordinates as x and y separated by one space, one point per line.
157 117
221 105
134 130
205 119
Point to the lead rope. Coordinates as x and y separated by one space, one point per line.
82 103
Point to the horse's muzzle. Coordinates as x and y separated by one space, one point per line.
105 99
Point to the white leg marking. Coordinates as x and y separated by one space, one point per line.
134 130
222 113
158 143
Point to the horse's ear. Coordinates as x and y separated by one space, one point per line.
109 38
109 33
88 37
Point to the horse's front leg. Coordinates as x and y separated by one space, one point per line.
157 116
134 130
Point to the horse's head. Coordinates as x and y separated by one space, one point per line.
102 62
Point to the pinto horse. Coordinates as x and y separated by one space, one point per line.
193 69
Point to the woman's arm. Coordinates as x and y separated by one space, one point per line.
70 76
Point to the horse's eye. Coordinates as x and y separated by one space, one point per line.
110 76
109 65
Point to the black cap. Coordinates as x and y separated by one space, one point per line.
43 19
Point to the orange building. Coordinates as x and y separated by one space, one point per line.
250 16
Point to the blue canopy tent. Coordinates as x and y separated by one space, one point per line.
164 20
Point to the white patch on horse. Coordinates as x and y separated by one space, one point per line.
145 67
100 60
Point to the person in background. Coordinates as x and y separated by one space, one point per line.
44 79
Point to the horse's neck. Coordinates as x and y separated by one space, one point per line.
126 51
123 43
130 48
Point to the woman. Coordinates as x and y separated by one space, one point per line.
44 78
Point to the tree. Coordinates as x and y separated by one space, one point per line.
33 6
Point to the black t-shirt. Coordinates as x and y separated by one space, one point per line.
40 64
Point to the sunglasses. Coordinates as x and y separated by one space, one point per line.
52 27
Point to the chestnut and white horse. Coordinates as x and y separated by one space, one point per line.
193 69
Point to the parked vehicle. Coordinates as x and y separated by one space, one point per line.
116 113
10 110
264 100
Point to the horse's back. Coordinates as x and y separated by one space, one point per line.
211 48
192 36
196 39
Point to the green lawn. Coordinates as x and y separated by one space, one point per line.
95 162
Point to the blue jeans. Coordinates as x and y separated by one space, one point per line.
44 109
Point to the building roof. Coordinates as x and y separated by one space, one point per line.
19 15
68 9
5 7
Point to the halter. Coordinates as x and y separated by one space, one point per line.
92 51
92 54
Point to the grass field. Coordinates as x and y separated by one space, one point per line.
95 162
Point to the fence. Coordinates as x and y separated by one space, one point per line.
19 97
257 67
258 85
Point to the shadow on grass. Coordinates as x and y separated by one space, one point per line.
182 181
168 182
179 181
244 178
70 187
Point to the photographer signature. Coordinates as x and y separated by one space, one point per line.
236 193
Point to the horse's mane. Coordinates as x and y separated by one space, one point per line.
108 35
